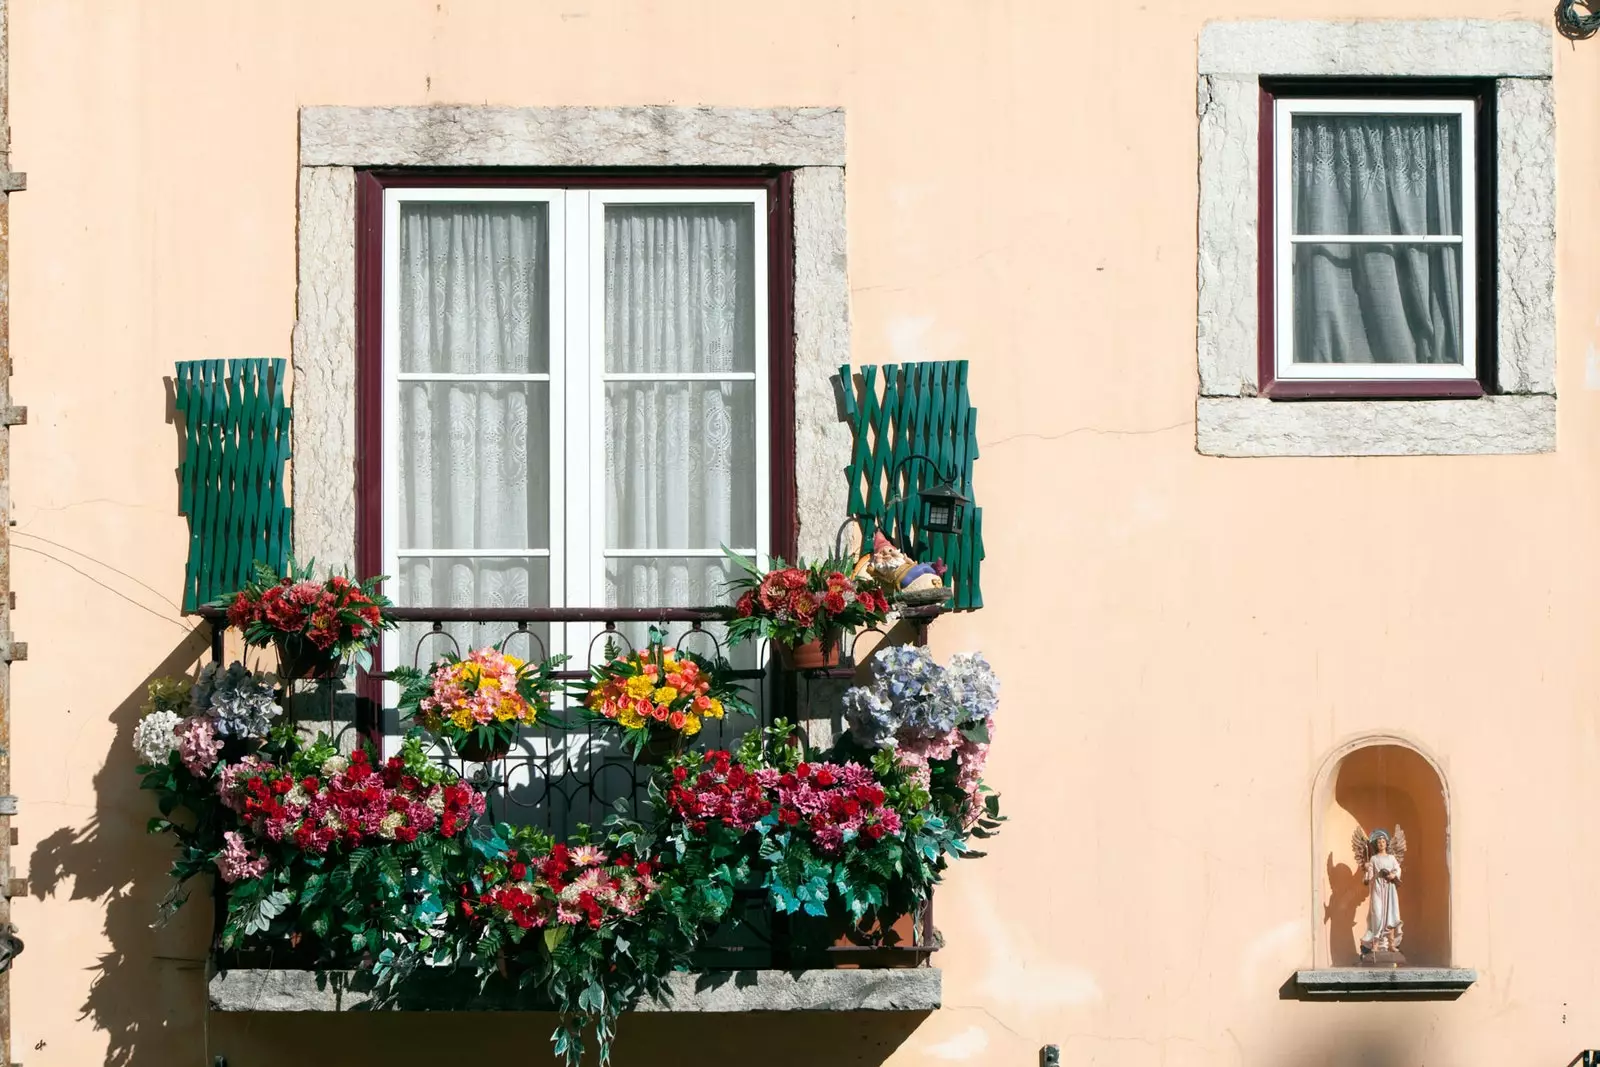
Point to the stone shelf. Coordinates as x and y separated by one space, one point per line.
1372 983
912 989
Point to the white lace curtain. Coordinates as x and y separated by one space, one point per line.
680 316
680 454
1378 302
474 282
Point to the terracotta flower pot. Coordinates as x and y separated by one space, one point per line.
901 941
298 658
811 656
474 751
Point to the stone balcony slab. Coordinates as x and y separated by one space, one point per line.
911 989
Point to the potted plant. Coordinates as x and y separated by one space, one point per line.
803 610
658 697
477 704
315 625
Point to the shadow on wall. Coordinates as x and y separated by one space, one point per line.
1379 786
148 991
772 1039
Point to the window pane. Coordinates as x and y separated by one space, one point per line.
666 581
474 465
680 288
680 464
474 284
1376 174
1377 303
456 582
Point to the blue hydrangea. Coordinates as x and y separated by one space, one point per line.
912 695
240 702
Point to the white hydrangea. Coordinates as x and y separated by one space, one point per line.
155 738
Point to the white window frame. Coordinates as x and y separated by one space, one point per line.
1284 240
576 378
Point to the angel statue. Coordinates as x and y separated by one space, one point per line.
1379 856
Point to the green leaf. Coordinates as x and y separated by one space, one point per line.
553 936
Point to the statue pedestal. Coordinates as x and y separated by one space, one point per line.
1382 959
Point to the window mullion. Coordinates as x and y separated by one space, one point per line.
578 475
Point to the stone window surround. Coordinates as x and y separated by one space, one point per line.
1230 419
334 141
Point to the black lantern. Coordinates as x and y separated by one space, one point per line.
943 508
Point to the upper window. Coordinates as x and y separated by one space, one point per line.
1371 280
574 395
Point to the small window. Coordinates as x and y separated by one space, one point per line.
1371 279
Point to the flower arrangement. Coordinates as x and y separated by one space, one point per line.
824 836
804 606
594 925
938 720
346 801
659 696
314 624
477 704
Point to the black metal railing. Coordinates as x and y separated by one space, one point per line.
565 774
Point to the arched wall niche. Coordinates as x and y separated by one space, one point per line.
1371 782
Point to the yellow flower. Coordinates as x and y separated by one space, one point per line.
461 718
714 711
666 695
640 686
691 724
630 717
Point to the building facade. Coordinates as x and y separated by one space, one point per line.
1249 581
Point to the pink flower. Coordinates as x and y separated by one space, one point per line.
198 744
235 863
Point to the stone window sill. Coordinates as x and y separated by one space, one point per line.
1377 983
911 989
1486 426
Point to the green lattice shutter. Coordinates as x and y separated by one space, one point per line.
231 479
904 410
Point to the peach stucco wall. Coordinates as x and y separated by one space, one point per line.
1183 640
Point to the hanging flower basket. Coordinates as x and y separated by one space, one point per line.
663 743
476 750
299 659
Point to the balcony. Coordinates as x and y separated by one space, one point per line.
561 778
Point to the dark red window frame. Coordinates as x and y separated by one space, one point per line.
370 186
1481 91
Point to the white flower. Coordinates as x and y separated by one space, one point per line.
334 765
154 738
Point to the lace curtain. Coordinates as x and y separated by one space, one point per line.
1377 302
680 454
474 454
679 470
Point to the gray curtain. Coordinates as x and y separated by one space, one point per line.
1378 302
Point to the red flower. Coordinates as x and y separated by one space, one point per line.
824 775
679 774
804 770
772 593
746 605
833 602
794 578
677 720
874 831
804 606
789 816
241 612
519 871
